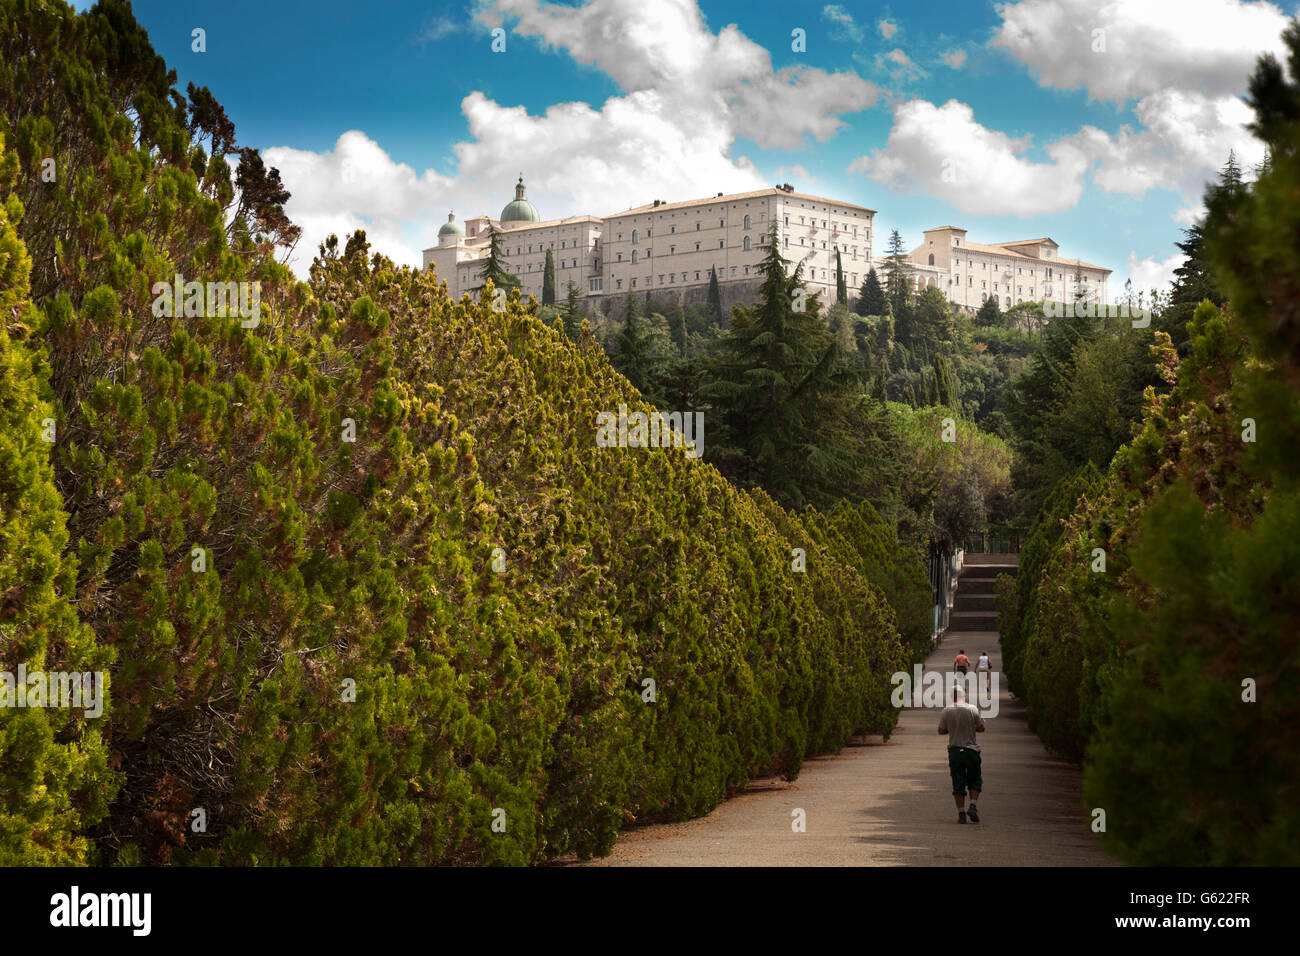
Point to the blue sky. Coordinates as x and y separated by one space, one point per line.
1095 123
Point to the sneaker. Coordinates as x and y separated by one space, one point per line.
974 816
961 816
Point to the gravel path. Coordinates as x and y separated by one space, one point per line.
890 804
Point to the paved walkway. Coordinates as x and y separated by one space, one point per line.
890 804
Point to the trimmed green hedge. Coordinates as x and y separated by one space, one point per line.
430 644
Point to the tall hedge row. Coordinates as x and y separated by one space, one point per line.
1172 673
366 588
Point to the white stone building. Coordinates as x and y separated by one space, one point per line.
525 238
1025 270
662 247
665 246
669 248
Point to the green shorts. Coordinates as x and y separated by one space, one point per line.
964 765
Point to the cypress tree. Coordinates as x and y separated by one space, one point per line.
548 280
841 291
715 295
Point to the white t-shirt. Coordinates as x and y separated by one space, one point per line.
984 662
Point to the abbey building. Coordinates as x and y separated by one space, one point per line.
671 248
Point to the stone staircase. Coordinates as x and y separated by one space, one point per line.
974 605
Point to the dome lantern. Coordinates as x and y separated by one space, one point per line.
520 209
451 227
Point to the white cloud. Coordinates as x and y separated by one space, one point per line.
955 59
356 185
437 28
887 29
797 171
688 93
1148 274
900 66
1146 45
1185 62
1188 215
848 28
1186 140
663 46
943 152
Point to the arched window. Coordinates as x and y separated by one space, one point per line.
746 221
634 253
932 258
634 237
747 240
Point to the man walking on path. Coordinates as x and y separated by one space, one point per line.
961 662
983 667
961 722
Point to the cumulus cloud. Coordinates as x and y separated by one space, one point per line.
1148 274
887 29
664 47
1186 140
944 152
1127 49
1182 64
687 94
356 185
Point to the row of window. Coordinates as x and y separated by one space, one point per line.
834 226
572 264
672 250
519 250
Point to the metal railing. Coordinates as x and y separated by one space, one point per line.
943 568
993 544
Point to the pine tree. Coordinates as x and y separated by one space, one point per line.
55 782
572 311
1193 280
1081 293
989 315
384 493
548 280
641 355
495 266
898 279
871 299
774 378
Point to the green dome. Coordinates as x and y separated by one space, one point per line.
451 227
520 209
